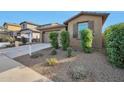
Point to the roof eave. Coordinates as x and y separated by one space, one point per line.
29 23
39 28
87 13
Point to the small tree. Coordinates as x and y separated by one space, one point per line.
65 39
53 36
86 40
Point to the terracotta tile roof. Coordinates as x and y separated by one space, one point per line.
105 15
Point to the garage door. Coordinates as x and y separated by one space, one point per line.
46 37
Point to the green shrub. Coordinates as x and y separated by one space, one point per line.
53 51
114 43
86 38
65 39
53 36
69 52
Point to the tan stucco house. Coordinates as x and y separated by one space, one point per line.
29 27
83 20
75 24
12 28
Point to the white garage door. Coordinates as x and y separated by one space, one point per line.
46 37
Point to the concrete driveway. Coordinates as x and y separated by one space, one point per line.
13 71
22 50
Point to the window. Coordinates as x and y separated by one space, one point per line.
82 26
24 26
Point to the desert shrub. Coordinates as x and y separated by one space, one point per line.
24 40
53 51
65 40
114 43
53 36
69 52
11 39
78 72
7 38
86 38
52 61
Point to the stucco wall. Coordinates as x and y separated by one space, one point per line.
97 42
13 28
31 26
36 35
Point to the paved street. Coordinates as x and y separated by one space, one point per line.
22 50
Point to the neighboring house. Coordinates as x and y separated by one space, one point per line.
47 28
2 31
28 28
12 28
83 20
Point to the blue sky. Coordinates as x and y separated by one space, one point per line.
45 17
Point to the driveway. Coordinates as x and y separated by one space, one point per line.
13 71
23 50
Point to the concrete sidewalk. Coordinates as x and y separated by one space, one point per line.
12 71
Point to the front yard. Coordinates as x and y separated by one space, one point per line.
81 67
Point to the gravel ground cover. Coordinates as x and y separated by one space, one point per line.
81 67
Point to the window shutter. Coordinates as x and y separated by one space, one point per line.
91 25
75 31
